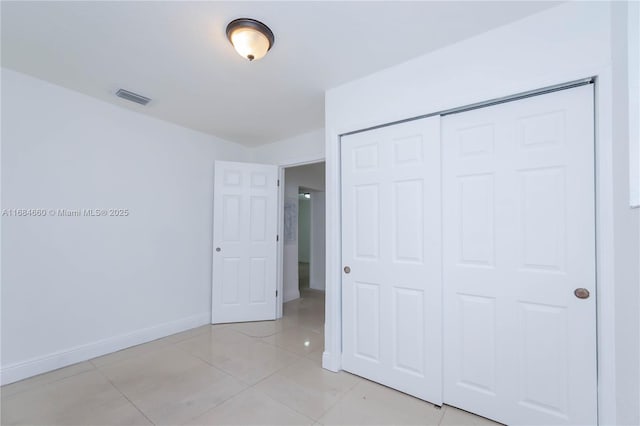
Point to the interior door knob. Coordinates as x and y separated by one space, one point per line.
581 293
347 270
218 249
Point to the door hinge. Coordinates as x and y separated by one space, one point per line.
276 293
278 182
277 238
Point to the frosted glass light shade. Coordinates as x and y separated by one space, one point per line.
251 39
249 43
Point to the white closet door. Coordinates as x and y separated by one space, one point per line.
391 297
519 239
244 240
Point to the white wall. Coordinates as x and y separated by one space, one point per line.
627 225
633 67
78 287
318 257
565 43
302 148
304 229
312 177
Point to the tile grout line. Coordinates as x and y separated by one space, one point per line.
29 387
274 373
289 350
163 341
442 408
254 340
331 407
295 409
228 373
282 403
219 369
257 339
351 389
163 345
177 346
175 342
221 402
125 396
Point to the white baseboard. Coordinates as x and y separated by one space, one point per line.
38 365
292 295
329 362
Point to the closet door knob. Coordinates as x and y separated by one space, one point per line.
581 293
347 270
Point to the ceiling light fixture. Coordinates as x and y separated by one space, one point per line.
252 39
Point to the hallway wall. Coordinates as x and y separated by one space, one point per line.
312 177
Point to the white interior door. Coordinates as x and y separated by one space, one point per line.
391 293
244 241
519 239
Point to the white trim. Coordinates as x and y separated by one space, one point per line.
332 355
633 49
38 365
280 254
605 249
331 359
302 161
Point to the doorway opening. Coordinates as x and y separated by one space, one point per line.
303 252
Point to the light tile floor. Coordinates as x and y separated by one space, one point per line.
261 373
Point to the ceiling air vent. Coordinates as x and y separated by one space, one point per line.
133 97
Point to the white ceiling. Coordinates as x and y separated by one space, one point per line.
177 54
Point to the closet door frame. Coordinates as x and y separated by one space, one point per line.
605 245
